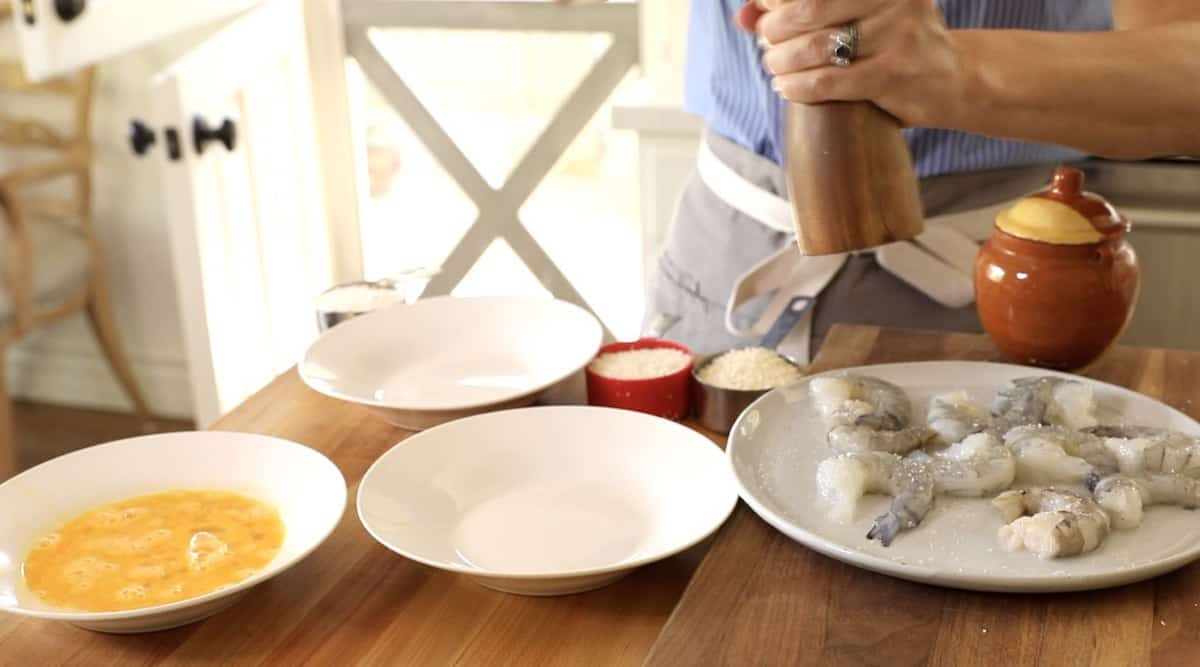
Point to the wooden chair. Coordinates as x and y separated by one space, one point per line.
52 264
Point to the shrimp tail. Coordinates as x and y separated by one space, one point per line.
1091 481
885 528
888 525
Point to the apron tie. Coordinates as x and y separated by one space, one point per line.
940 263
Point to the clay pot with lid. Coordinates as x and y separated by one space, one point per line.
1057 282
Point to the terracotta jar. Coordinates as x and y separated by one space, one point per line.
1057 282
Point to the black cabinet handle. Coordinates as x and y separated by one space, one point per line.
27 12
141 137
173 150
69 10
202 133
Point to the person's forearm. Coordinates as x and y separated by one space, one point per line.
1126 94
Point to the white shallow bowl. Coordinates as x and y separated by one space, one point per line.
548 500
433 361
777 443
306 488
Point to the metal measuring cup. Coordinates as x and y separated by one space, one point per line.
718 408
391 290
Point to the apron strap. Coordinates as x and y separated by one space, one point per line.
936 279
940 263
767 208
949 245
792 277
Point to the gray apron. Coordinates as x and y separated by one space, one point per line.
712 244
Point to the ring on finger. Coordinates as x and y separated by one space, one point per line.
843 45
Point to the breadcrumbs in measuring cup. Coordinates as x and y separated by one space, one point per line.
749 369
650 375
640 364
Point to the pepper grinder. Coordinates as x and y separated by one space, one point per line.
851 178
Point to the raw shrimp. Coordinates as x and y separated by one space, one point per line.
1050 522
1125 498
846 478
978 466
912 489
1047 454
954 416
842 480
1178 490
1044 400
866 439
1144 449
1043 460
860 400
1087 446
866 414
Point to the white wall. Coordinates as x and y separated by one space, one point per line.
664 46
63 364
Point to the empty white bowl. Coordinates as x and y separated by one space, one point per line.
547 500
305 487
433 361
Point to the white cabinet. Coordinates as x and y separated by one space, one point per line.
248 224
256 171
57 36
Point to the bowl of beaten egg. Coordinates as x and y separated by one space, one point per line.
162 530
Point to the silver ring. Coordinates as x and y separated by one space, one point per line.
843 45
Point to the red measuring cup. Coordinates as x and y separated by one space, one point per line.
666 396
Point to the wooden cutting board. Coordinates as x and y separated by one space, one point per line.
760 598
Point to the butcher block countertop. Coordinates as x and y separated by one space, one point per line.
748 596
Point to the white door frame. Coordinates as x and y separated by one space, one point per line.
343 175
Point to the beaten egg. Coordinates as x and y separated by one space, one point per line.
153 550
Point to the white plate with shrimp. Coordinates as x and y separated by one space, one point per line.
779 441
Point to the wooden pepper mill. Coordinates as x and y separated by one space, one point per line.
851 178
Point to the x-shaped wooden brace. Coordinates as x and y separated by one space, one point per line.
499 209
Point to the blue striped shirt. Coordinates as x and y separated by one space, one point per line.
727 85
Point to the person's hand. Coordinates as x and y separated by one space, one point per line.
907 61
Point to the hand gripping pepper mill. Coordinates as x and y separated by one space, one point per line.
850 174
